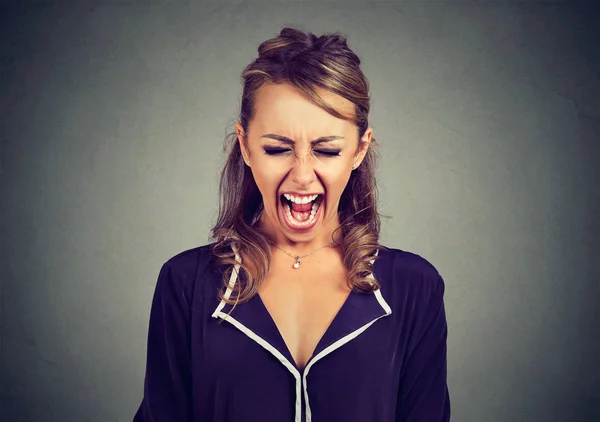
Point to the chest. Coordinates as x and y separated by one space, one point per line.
303 302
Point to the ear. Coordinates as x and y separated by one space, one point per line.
363 146
242 139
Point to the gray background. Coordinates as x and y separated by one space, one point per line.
113 116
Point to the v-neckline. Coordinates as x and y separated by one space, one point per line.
358 312
287 350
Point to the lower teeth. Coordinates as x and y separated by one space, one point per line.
310 219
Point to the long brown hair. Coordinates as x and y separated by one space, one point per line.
309 63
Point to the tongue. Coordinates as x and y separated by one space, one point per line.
300 216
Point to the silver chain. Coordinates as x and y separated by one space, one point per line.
297 257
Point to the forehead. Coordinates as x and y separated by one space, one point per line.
285 108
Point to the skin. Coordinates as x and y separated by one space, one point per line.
283 110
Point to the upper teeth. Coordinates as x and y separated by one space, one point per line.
298 200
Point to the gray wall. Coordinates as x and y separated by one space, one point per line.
112 122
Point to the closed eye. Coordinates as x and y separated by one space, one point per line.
279 151
328 153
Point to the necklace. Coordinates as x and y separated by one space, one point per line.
297 257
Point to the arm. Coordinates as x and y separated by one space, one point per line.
423 394
167 384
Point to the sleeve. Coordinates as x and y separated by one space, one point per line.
423 391
167 382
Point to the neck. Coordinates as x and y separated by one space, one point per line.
298 247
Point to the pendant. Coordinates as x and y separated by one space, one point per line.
297 264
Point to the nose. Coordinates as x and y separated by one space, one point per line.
303 173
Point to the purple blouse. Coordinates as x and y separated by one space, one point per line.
382 359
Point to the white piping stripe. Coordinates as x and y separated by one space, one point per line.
341 342
260 341
382 302
327 351
300 381
275 353
231 283
217 313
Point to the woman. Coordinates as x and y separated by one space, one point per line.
296 312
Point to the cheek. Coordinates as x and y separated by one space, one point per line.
335 185
335 177
267 181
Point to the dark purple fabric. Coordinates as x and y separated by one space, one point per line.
204 369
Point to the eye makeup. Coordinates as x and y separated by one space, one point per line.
281 151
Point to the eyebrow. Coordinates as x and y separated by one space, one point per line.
287 140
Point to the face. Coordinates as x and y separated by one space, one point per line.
294 147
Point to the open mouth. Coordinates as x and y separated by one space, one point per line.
301 216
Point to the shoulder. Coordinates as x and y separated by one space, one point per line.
184 271
190 260
408 263
400 272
